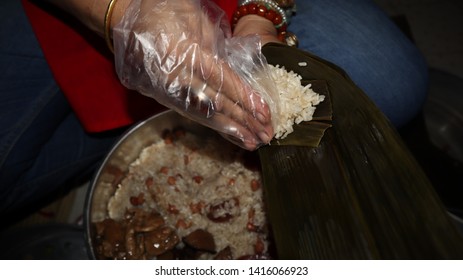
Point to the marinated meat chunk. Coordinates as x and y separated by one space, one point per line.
134 245
160 241
110 238
144 221
200 240
224 254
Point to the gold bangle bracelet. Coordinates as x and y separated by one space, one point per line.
107 25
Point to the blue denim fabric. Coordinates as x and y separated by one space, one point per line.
43 147
357 36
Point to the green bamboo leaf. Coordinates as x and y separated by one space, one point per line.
359 193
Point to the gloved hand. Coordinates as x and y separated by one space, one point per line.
181 53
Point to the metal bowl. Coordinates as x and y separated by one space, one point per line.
116 163
443 113
444 124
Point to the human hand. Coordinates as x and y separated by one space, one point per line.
253 24
180 53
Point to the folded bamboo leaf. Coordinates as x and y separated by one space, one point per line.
360 194
324 111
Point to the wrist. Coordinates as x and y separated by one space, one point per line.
267 10
119 10
254 24
113 14
276 13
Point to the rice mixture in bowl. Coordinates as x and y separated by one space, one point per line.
185 197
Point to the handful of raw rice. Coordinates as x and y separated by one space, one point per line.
297 102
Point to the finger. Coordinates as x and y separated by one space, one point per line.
208 102
198 68
235 111
235 132
221 77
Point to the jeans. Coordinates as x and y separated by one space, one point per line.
357 36
44 149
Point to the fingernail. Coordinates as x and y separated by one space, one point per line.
264 137
261 118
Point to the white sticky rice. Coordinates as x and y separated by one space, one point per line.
297 102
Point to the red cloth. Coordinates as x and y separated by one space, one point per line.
84 69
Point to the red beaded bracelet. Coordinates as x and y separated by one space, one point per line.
263 11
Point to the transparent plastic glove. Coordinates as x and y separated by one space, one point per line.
181 54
